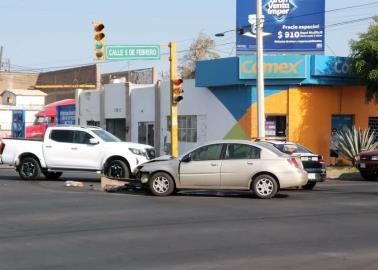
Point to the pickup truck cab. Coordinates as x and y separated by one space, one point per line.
74 149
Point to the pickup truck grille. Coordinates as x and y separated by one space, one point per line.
151 153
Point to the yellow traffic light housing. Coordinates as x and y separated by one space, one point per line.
177 91
99 38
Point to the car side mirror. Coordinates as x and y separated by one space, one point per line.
186 158
93 141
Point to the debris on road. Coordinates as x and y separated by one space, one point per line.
70 183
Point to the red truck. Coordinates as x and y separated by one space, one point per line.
45 118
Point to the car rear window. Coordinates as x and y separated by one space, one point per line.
289 148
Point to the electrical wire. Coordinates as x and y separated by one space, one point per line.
52 68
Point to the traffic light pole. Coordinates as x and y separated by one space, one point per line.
174 124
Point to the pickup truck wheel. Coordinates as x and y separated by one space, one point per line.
161 184
264 186
117 169
52 175
29 169
309 186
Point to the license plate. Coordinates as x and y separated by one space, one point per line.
362 165
311 176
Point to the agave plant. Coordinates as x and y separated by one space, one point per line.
354 141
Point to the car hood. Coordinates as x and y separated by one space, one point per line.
370 153
162 161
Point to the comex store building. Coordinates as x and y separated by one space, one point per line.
305 96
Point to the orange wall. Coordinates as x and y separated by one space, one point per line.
310 111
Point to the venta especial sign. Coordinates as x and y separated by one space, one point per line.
289 25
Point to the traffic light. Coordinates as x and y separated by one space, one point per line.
177 91
99 38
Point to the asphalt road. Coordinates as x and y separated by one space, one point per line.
44 225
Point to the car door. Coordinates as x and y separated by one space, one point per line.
84 154
202 169
240 162
57 148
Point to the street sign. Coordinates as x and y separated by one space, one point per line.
133 52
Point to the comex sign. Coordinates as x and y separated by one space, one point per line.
329 66
275 67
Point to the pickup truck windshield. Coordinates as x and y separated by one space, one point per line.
105 136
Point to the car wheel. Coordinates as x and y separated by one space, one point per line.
29 169
117 169
52 175
161 184
368 176
264 186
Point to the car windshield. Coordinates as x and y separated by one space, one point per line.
290 148
105 136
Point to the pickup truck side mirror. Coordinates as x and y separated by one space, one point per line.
93 141
186 158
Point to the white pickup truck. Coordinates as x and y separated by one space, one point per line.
74 149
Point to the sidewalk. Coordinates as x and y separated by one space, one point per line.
343 173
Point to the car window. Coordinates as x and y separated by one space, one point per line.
242 151
82 137
105 136
65 136
208 152
289 148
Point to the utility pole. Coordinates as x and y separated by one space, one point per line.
174 124
1 57
260 72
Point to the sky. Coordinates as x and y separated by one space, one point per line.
41 35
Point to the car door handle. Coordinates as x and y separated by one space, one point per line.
249 162
214 164
74 148
48 146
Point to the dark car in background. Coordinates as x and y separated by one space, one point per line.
312 163
368 165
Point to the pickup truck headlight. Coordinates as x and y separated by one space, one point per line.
138 152
374 158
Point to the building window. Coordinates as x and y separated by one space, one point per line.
187 128
275 126
10 101
373 125
146 133
342 122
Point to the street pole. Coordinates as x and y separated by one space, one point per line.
260 72
174 125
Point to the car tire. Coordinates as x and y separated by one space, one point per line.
309 185
117 169
368 176
161 184
52 175
265 186
29 168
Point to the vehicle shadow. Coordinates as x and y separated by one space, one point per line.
192 193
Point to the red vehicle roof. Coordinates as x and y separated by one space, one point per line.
50 109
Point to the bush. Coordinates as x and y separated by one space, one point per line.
354 141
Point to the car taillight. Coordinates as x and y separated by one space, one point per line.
2 146
295 162
321 160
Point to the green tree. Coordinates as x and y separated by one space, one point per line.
364 60
200 49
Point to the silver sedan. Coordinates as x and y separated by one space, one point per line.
226 164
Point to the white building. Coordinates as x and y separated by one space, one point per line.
31 101
141 113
